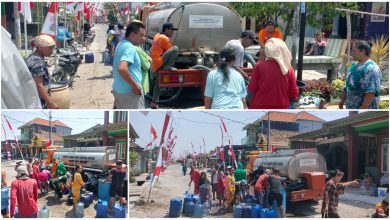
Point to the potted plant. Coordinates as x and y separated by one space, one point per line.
337 90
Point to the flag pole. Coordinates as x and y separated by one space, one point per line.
66 29
25 30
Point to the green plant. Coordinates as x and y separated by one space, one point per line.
318 88
380 50
337 88
384 104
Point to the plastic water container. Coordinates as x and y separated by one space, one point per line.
79 210
84 198
175 207
373 191
382 192
190 206
119 211
90 194
195 199
267 213
101 209
237 211
204 191
104 190
187 199
206 209
275 205
246 211
4 197
43 212
255 212
198 211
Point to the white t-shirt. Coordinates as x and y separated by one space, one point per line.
215 178
239 49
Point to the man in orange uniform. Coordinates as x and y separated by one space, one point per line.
269 32
163 57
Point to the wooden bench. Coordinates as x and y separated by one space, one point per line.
330 61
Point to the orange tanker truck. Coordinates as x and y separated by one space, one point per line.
304 172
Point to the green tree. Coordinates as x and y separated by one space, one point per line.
133 158
318 14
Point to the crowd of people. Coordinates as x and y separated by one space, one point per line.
272 84
35 175
230 186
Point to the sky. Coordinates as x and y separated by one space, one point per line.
193 126
78 120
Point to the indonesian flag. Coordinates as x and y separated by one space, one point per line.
49 27
86 11
159 166
127 9
149 145
80 6
166 122
224 127
231 152
222 153
137 9
16 138
153 132
24 8
48 144
70 6
170 133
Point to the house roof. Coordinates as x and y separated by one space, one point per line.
41 121
98 129
286 117
340 124
133 133
44 135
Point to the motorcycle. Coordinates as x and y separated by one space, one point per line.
68 63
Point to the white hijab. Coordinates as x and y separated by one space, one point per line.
276 49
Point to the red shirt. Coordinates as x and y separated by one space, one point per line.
270 88
261 183
26 193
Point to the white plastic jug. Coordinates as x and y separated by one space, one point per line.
43 212
79 210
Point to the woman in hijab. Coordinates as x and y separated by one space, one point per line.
273 83
36 64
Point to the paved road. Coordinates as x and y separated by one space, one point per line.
172 183
93 89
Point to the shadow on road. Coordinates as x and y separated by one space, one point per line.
302 209
70 214
53 200
220 212
109 76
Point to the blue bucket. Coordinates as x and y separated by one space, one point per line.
104 190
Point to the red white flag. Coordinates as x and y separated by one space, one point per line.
224 126
231 152
137 9
70 6
49 27
127 9
166 122
48 144
153 132
24 8
80 6
159 166
149 145
222 153
16 138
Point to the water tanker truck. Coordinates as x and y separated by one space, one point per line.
304 172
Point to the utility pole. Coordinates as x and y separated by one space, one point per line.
269 132
301 40
295 36
18 32
50 127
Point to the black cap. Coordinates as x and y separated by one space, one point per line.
271 22
168 26
251 35
119 162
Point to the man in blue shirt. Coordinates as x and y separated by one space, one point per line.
62 33
127 72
